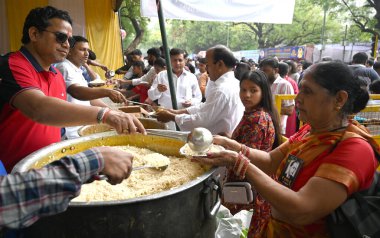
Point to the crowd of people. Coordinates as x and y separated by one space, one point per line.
298 181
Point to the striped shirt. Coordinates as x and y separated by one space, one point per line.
281 86
27 196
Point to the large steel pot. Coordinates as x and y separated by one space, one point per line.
148 123
186 211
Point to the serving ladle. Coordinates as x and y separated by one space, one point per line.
199 139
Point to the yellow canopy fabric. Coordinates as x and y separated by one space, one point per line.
101 24
17 10
103 33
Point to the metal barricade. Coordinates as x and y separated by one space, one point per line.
370 116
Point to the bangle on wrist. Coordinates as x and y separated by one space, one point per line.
244 150
105 115
241 166
101 113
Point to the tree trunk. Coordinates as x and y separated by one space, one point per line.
139 35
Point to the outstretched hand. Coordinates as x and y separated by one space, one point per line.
223 158
226 143
124 123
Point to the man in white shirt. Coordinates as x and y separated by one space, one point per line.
223 108
77 90
279 86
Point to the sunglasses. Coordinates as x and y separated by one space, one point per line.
61 37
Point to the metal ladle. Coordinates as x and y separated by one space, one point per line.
199 139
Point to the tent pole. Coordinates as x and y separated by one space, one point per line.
167 55
121 39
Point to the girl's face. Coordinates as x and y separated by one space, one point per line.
250 95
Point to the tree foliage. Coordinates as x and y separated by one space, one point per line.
305 29
362 17
132 23
357 15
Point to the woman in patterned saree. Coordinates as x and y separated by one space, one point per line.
330 157
258 129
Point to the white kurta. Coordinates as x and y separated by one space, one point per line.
222 110
146 78
72 75
186 86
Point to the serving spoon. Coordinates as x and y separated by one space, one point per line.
199 139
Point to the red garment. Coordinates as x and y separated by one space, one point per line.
142 90
291 122
345 157
355 154
255 130
20 135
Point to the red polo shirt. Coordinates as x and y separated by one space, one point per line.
19 135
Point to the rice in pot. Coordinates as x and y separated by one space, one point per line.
146 181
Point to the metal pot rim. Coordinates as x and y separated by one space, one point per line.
25 163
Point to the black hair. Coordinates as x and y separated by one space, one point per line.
240 69
271 62
136 52
376 65
76 39
220 52
177 51
190 67
306 64
360 58
155 52
335 76
374 87
91 55
159 62
139 64
327 58
371 61
39 17
163 52
259 78
283 69
202 60
292 66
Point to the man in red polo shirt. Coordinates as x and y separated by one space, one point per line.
33 94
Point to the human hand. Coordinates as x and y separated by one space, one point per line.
223 158
124 123
162 88
226 143
117 164
103 67
124 82
111 82
186 103
116 96
165 116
